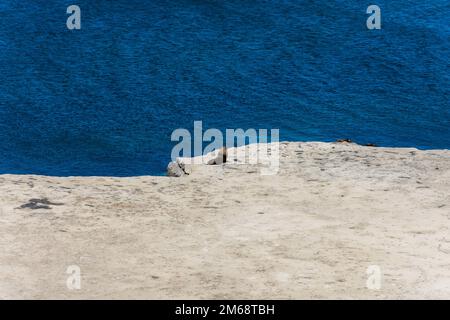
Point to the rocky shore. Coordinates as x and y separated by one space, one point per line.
225 231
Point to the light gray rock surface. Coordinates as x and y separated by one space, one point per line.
228 232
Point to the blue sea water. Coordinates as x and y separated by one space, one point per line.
105 99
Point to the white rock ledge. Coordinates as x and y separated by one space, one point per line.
226 231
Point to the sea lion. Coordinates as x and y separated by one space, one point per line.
221 157
344 141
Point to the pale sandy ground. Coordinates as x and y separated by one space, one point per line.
227 232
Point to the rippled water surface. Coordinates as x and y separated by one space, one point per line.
104 100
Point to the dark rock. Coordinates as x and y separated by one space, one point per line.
35 204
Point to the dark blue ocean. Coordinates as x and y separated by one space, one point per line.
105 99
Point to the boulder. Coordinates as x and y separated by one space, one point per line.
175 169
